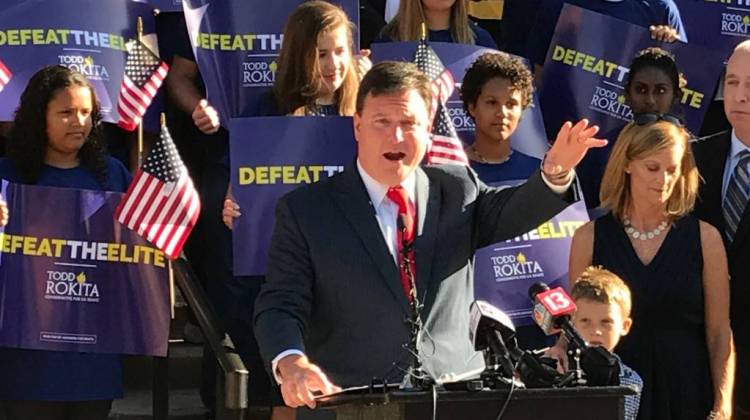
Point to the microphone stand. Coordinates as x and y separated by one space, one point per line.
419 378
576 376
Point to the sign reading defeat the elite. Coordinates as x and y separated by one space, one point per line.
73 279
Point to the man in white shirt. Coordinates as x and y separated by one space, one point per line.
333 308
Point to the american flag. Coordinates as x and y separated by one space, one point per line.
144 73
161 204
5 76
446 147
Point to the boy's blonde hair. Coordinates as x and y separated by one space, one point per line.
603 286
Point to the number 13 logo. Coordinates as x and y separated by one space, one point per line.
557 301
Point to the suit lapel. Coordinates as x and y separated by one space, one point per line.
714 177
428 210
741 235
352 198
711 154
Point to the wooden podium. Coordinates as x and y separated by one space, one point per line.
601 403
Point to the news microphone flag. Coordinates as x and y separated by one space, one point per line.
5 76
550 305
144 73
161 203
446 147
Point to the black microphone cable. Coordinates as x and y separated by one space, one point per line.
510 395
423 379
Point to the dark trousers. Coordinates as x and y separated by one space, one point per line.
232 296
56 410
742 376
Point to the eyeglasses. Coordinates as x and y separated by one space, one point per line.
652 117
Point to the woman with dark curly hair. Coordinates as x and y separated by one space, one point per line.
55 142
496 90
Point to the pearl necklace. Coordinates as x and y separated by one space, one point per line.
644 236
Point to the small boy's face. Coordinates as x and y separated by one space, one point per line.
600 324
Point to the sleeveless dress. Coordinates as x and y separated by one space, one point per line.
667 344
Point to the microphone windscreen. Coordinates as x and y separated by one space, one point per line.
537 288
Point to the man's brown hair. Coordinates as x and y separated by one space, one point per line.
390 77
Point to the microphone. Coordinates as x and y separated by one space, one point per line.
601 367
552 311
491 329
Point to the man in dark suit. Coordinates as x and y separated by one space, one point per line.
724 160
334 304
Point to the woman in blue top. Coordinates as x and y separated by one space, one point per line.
446 20
496 89
55 142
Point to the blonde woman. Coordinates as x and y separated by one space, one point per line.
676 267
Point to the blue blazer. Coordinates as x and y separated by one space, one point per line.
333 290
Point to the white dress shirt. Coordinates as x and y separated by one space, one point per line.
386 211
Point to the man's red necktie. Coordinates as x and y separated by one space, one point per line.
407 213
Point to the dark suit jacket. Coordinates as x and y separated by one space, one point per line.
334 291
711 155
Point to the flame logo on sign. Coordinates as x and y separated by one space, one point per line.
81 278
521 258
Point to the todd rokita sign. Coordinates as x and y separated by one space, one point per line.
73 279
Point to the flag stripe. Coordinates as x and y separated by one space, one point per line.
446 147
178 214
5 75
161 204
180 234
131 93
160 222
156 201
134 190
143 199
144 74
191 217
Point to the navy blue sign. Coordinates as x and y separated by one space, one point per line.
236 44
503 272
271 156
88 36
585 72
717 24
529 137
73 279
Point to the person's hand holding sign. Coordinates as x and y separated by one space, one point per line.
664 33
